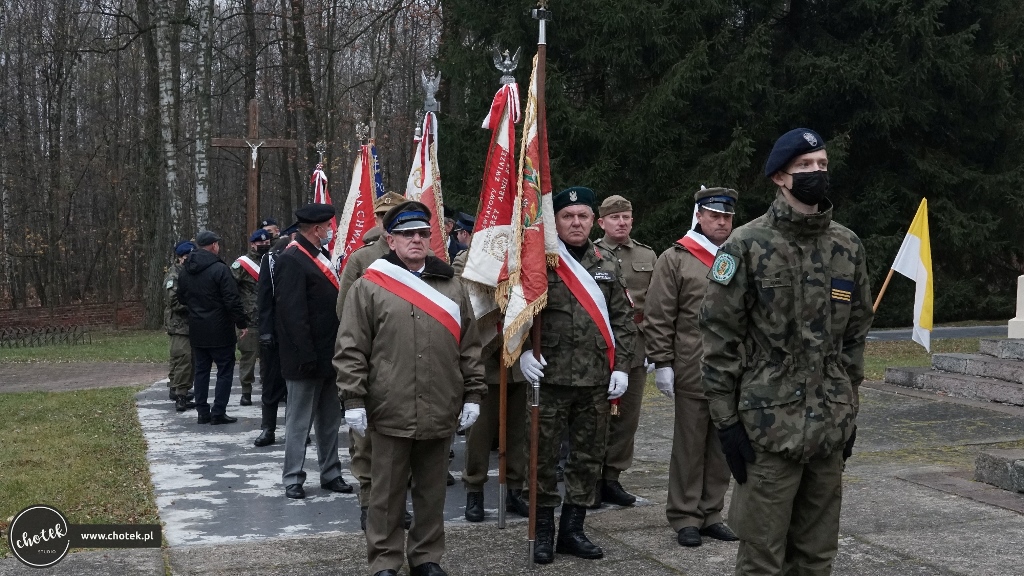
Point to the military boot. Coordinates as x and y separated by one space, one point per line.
542 546
182 403
571 539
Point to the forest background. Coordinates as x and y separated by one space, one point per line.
107 108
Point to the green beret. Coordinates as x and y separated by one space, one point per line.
574 195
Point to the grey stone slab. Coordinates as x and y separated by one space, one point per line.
960 385
111 562
980 365
959 483
940 332
1003 347
1002 468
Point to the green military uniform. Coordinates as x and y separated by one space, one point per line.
179 377
248 345
636 263
783 322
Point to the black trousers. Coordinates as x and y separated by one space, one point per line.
204 359
274 388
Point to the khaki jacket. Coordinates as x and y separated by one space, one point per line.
375 247
175 311
670 317
636 264
403 366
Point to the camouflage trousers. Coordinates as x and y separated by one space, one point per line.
179 376
249 351
584 411
787 516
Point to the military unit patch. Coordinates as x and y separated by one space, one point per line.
723 268
235 264
842 290
603 276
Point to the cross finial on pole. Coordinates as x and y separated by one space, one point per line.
321 148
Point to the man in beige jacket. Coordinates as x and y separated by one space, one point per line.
408 360
698 476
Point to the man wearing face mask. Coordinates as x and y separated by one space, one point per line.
246 272
306 289
790 290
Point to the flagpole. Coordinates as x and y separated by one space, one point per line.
542 15
502 439
885 285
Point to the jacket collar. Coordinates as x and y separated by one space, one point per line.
308 246
433 267
613 245
590 256
789 221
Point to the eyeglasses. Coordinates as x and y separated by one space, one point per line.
410 234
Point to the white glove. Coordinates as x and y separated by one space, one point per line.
617 385
470 412
665 380
649 366
356 420
532 368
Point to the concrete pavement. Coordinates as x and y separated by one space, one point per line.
895 521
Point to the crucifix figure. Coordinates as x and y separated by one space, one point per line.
254 143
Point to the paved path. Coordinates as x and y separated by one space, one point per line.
894 523
942 332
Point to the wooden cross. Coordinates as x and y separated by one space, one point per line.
254 143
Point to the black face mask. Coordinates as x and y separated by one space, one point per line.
810 187
261 250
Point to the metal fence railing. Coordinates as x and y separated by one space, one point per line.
44 336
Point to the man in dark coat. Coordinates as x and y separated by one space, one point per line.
274 389
214 311
306 291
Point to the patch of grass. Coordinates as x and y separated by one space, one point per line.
106 346
81 452
879 355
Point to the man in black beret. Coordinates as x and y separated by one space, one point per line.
214 311
791 290
306 288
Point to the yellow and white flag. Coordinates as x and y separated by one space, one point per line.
914 261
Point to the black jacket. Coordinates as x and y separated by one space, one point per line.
265 294
209 291
306 324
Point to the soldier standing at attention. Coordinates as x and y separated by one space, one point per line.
179 378
587 334
698 476
790 290
246 271
636 264
305 288
408 360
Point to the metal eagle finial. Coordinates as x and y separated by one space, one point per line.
506 64
430 87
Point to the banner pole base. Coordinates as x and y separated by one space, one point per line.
531 563
502 499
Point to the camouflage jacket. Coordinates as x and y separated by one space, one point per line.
636 263
175 312
570 341
247 288
791 289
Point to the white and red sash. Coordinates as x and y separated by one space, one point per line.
251 267
412 289
588 293
321 262
699 245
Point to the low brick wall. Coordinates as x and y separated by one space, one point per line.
122 315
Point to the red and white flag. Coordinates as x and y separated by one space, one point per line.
322 196
424 184
493 233
524 288
357 217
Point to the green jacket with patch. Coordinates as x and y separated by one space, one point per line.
792 289
175 311
247 288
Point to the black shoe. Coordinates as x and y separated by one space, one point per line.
294 491
559 473
223 419
407 522
451 454
388 572
266 438
246 400
571 539
308 440
598 493
719 531
182 404
515 504
362 518
337 485
451 480
543 547
613 493
689 537
203 419
427 569
173 396
475 506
